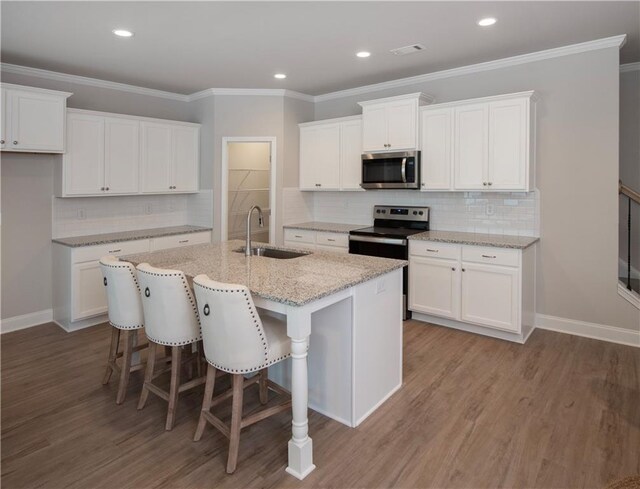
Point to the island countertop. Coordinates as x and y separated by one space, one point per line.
295 281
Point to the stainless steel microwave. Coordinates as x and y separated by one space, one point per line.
391 170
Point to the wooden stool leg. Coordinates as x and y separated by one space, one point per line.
113 352
176 357
206 401
264 389
126 365
236 422
148 373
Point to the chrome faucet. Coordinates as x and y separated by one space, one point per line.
247 245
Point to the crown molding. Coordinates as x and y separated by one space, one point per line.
607 42
630 67
258 92
93 82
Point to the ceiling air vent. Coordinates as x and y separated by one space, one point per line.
413 48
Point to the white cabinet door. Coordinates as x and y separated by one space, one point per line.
436 127
185 159
83 162
471 147
3 120
351 155
122 156
157 156
374 128
508 145
89 296
320 157
490 296
434 286
37 121
402 119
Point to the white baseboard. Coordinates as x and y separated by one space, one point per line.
588 330
26 321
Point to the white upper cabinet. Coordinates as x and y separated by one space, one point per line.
436 141
330 154
33 119
482 144
83 163
121 155
391 124
170 157
3 123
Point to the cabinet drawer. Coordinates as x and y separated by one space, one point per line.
300 235
491 255
434 250
89 253
299 245
179 240
332 239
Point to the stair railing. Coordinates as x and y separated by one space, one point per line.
632 197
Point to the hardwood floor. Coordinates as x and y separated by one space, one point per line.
560 411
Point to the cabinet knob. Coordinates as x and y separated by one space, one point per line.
453 269
102 188
463 270
489 183
1 141
106 188
15 142
484 183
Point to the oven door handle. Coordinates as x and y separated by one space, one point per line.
371 239
403 170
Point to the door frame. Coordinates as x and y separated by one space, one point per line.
224 183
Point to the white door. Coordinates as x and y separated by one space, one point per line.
434 287
402 118
351 155
185 159
3 119
156 156
436 143
490 296
37 121
508 144
89 294
374 128
84 159
470 147
122 156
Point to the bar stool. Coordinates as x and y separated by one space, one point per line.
171 320
238 341
125 314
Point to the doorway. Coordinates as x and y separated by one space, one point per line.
248 179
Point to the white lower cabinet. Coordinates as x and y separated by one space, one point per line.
480 289
307 239
79 295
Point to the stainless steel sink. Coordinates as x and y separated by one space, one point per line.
272 253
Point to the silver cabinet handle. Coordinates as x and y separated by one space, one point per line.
432 251
184 241
488 256
329 239
297 236
115 251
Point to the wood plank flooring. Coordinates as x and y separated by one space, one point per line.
474 412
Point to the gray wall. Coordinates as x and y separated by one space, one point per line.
576 173
630 159
27 190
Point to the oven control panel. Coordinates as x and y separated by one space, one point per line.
408 213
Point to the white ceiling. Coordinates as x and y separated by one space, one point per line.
185 47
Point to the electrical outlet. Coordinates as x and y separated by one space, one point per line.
490 209
82 214
148 209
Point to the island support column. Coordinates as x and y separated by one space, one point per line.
300 445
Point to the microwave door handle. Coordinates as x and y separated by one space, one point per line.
403 170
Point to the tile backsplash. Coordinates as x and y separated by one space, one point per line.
481 212
95 215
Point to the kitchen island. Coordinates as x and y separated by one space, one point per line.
344 317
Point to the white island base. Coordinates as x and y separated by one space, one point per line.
355 350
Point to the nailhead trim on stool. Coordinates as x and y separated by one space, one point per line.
131 268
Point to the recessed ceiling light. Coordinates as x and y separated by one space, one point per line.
363 54
122 32
280 76
487 21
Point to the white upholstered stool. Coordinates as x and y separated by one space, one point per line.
125 315
171 319
238 341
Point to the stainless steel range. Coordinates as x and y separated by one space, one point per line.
387 237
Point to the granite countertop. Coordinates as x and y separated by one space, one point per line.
97 239
478 239
295 281
329 227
